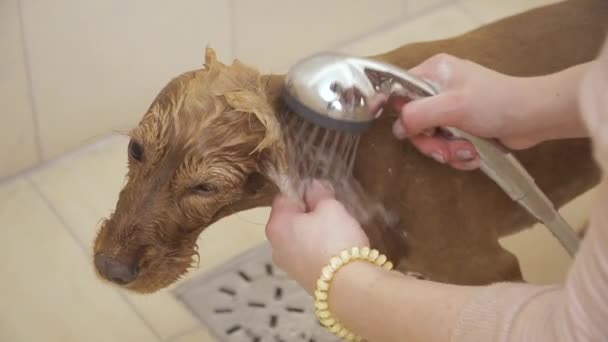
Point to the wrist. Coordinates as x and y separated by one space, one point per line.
546 106
355 266
364 274
324 257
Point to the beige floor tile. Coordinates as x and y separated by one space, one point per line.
217 244
578 211
417 6
257 216
16 122
48 289
301 28
84 189
491 10
442 23
226 239
542 258
84 186
195 336
163 312
97 66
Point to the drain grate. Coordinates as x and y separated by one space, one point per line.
248 299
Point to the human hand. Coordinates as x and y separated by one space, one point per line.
472 98
303 241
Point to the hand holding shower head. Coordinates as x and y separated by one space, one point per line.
340 93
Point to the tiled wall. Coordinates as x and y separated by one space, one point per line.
72 71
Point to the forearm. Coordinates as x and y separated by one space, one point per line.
549 104
388 306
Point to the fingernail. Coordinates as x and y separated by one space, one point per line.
471 165
399 131
464 155
429 132
438 157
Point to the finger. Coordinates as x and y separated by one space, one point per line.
519 142
316 193
397 102
376 104
463 155
433 147
460 154
438 70
281 214
426 69
284 205
466 166
430 112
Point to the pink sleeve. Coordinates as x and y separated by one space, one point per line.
578 309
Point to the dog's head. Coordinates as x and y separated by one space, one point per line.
200 152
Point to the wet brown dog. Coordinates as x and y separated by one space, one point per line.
210 145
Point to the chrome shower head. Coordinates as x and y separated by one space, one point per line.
341 92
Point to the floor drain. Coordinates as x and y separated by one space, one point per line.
248 299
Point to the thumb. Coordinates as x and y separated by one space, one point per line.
316 193
426 71
440 69
283 211
431 112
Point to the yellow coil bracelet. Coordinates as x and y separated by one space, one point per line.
321 294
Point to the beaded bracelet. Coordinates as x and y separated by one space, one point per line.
321 294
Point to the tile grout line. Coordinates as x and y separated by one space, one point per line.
390 24
55 212
184 332
139 315
84 250
233 35
26 172
406 6
30 84
403 17
233 46
467 11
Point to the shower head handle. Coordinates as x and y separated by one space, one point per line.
330 87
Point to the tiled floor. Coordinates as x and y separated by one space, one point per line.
48 216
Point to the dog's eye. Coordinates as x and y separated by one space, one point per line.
205 189
136 151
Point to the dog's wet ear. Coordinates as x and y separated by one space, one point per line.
211 58
256 104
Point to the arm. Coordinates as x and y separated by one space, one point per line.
519 111
388 306
398 308
550 105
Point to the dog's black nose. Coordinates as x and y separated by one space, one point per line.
116 271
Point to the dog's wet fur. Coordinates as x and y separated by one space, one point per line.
210 145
